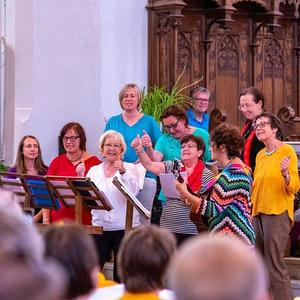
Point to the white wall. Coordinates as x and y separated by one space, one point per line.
71 58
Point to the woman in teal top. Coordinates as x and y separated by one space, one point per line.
131 123
168 146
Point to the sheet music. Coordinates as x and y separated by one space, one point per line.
133 198
63 189
168 186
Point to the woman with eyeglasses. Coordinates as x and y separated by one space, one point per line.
112 147
75 161
176 214
225 200
251 105
29 161
168 146
276 181
130 123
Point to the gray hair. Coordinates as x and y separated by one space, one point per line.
213 268
113 134
200 89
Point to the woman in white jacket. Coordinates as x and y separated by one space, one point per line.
112 147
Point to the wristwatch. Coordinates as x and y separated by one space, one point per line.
122 172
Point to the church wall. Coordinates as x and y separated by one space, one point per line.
66 61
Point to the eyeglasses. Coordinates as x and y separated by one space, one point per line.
246 106
201 99
188 146
72 139
29 146
171 126
115 146
260 125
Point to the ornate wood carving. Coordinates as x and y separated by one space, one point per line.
274 59
233 44
185 50
228 58
287 115
217 116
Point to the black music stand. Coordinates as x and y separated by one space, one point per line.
79 192
132 202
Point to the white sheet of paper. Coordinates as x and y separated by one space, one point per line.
168 186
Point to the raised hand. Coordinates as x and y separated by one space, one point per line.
80 169
146 140
137 143
118 164
284 165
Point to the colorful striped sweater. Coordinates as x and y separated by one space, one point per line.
228 206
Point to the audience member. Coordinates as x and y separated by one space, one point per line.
9 204
197 115
29 161
76 161
143 260
276 181
176 213
214 268
131 123
112 148
72 247
24 272
252 103
227 205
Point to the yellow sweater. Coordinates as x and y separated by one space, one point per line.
270 194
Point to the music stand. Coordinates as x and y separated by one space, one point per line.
132 202
79 192
15 183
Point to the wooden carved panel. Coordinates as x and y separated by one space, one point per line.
230 56
274 59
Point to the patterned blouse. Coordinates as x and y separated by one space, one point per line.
228 208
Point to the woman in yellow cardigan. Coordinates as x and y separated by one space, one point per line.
276 181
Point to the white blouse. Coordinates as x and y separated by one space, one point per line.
115 218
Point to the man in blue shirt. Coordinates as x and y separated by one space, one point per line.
197 115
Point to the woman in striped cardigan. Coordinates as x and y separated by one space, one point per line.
227 200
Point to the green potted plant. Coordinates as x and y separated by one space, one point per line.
157 99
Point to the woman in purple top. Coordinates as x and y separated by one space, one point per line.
29 161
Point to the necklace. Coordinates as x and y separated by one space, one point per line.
130 119
78 158
268 153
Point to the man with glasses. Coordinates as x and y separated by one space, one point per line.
197 115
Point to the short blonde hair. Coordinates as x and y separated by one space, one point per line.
125 88
113 134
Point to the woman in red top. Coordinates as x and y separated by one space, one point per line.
74 162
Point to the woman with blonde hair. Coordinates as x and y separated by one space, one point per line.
112 148
130 123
